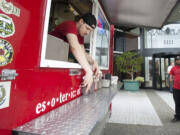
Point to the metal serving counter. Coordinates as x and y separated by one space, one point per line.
78 117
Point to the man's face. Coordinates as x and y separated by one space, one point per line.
178 62
84 29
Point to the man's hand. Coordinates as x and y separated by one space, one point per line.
171 79
96 69
88 80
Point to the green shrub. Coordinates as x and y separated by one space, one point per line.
139 79
129 62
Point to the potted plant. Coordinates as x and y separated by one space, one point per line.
130 63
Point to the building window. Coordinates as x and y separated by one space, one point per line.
119 41
167 37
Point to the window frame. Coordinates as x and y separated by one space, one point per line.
52 63
97 7
62 64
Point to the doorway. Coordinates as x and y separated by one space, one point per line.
161 61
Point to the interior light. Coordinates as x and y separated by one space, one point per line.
73 10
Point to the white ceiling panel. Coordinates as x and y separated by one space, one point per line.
149 13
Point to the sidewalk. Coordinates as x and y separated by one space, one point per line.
146 112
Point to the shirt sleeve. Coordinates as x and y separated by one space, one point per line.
81 40
171 71
69 27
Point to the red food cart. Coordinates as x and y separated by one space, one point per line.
33 82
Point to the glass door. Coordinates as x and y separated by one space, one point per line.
160 74
157 73
166 64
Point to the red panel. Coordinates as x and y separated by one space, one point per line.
111 49
40 88
31 92
34 87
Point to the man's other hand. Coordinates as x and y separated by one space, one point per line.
88 80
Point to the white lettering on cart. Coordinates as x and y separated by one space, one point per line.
63 97
53 101
41 107
38 107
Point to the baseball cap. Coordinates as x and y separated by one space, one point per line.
90 20
178 58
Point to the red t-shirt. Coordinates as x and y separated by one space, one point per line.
175 71
64 28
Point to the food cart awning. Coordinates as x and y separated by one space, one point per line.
147 13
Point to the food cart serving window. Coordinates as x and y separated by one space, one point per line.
56 53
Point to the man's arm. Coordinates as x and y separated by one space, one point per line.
171 78
92 62
81 58
88 57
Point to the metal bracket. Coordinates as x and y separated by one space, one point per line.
8 74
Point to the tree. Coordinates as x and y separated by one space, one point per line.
129 62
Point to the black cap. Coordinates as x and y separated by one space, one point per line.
89 19
177 58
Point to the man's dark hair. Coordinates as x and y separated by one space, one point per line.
89 19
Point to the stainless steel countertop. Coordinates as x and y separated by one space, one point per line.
77 117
